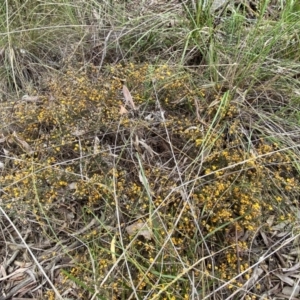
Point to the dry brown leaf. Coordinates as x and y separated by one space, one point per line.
214 103
96 14
255 276
96 145
279 226
148 148
23 264
295 251
6 152
284 278
22 143
72 186
136 144
198 112
292 269
14 274
143 179
217 4
123 110
128 98
78 132
291 291
265 238
32 99
140 228
2 271
270 220
2 50
283 234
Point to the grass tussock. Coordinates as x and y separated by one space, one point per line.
169 177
